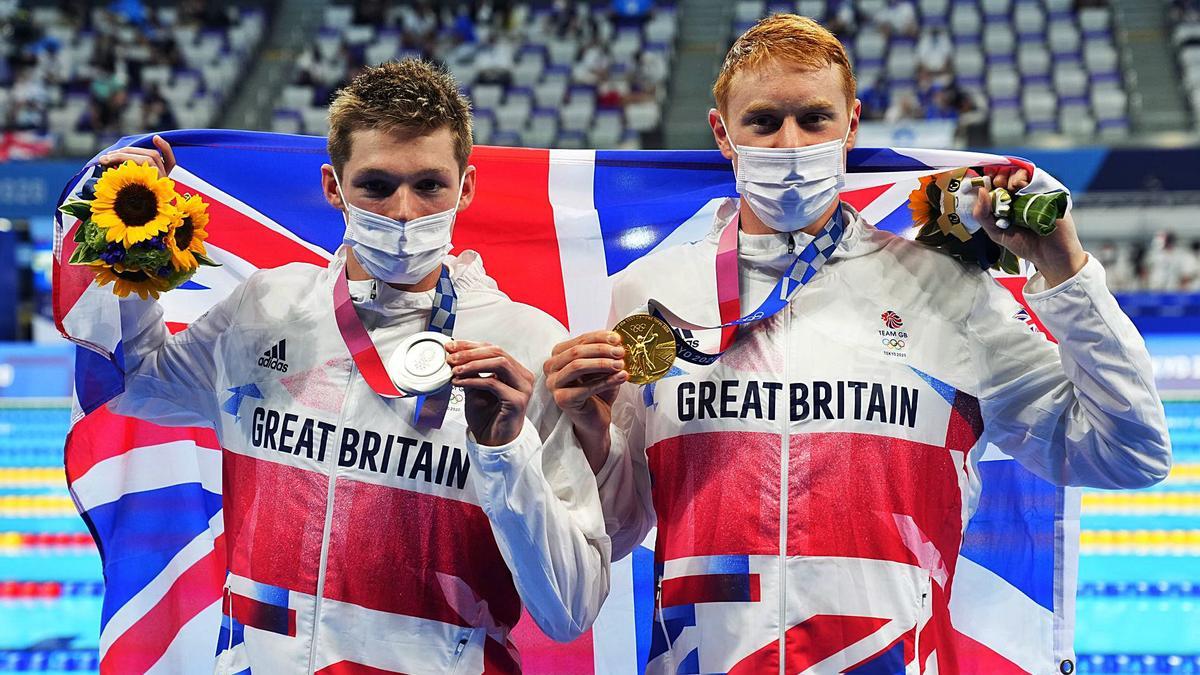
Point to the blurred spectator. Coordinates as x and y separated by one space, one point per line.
875 96
496 60
611 93
1184 10
943 104
843 19
934 50
900 19
592 66
156 114
1169 267
972 128
1193 284
904 106
1119 270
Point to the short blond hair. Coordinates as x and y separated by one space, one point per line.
784 37
410 96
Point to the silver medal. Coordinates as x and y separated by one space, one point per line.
418 366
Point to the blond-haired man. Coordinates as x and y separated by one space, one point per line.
811 487
362 536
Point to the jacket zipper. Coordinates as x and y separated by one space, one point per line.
783 490
312 650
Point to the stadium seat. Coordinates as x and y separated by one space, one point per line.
528 70
483 123
1070 80
542 129
464 71
316 121
1006 128
487 95
932 10
285 121
1059 7
965 20
814 9
902 62
513 114
384 49
1063 37
1033 60
969 64
748 10
661 28
1076 121
1029 19
1039 105
1109 104
1100 57
550 92
296 96
339 16
607 129
995 7
507 138
642 116
80 143
1094 20
562 51
358 35
1003 83
870 43
571 140
577 114
999 40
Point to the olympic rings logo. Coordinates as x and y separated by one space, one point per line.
893 343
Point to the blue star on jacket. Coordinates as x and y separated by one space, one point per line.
233 403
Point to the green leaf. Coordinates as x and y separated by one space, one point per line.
206 261
146 258
83 255
94 236
178 277
77 208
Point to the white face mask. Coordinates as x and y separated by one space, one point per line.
789 188
398 251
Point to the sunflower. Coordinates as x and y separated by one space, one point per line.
133 204
186 238
128 281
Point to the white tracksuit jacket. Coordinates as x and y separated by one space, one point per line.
353 538
812 487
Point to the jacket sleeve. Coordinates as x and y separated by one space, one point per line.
540 496
1084 412
172 379
624 480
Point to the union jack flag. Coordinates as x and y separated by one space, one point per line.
552 226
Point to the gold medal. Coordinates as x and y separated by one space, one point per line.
649 347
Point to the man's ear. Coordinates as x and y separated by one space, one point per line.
720 133
329 188
468 190
855 118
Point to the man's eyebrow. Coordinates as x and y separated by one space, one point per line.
370 172
811 105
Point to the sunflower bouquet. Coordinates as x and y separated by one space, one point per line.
943 208
137 233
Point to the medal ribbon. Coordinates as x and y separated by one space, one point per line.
800 272
362 348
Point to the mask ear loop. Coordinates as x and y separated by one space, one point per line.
342 195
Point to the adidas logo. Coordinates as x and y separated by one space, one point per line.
275 358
